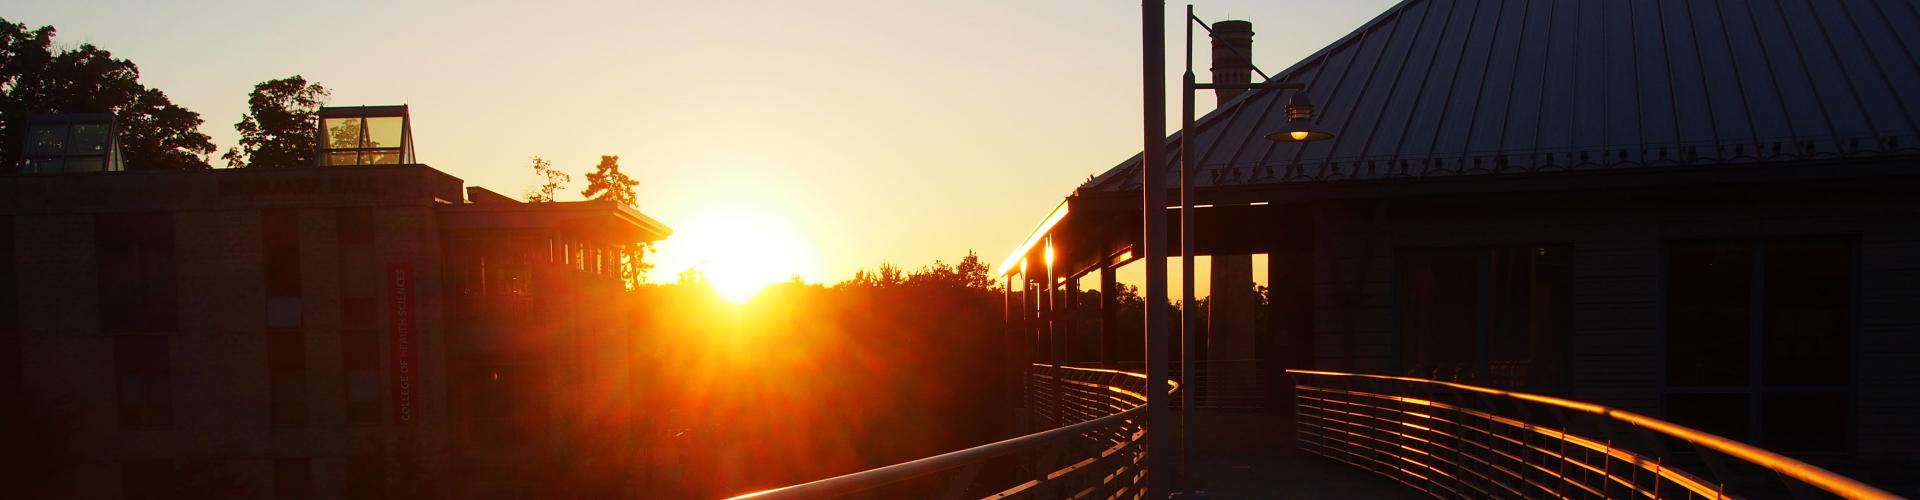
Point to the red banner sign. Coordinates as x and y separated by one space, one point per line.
404 341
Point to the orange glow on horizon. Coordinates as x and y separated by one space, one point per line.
740 251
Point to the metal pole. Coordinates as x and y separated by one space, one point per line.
1189 317
1051 311
1153 59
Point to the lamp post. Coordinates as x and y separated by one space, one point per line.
1299 128
1153 210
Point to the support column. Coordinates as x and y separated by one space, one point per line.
1109 318
1230 335
1290 299
1050 328
1071 331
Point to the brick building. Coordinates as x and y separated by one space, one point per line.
351 330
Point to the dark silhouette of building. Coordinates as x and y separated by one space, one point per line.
356 330
1696 210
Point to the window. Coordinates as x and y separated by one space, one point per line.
12 367
506 403
360 357
66 145
9 300
144 479
287 376
136 281
142 369
370 140
286 343
292 479
1496 316
1759 340
280 242
359 330
354 225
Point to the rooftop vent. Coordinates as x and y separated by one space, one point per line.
364 135
70 142
1232 56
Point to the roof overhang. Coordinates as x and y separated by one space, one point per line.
1012 262
612 221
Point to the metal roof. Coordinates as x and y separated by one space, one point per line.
1485 87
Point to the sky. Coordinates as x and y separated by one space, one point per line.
810 138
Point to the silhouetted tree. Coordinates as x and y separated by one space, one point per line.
552 180
606 182
634 264
278 129
154 133
885 276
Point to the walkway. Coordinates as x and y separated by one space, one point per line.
1250 455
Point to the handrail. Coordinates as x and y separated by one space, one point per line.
1807 473
872 478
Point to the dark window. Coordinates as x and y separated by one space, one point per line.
147 479
61 147
1709 316
1710 412
292 479
12 390
366 477
360 353
287 376
136 281
1758 340
506 403
280 240
1439 312
359 329
9 300
142 369
1809 287
355 225
1498 316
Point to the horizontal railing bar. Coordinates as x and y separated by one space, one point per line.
1801 471
1679 477
873 478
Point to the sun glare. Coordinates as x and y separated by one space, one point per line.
740 252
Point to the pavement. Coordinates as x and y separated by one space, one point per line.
1250 455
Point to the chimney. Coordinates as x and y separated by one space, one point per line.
1232 56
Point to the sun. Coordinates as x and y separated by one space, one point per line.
740 251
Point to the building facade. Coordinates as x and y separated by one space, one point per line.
1699 211
307 332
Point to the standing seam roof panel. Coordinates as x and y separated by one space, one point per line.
1692 106
1462 105
1488 132
1450 87
1659 123
1880 52
1382 81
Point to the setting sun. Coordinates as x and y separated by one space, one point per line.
739 251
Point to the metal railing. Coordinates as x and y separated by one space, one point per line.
1453 440
1096 450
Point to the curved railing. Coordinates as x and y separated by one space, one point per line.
1097 447
1454 440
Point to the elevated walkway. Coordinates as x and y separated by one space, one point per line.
1249 454
1348 436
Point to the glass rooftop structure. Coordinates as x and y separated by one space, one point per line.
70 142
364 135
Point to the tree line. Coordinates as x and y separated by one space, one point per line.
812 380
